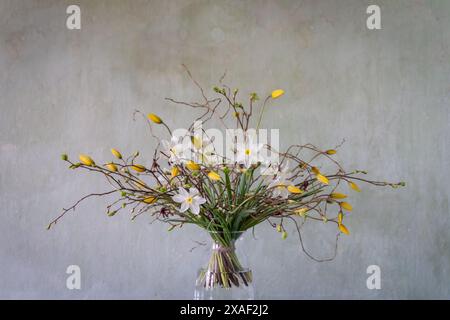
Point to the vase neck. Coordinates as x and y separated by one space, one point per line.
223 248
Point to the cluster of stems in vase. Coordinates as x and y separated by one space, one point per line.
189 181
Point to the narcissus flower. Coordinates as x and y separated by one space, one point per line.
347 206
214 176
277 93
138 167
337 195
294 189
354 186
343 229
191 165
111 167
154 118
189 200
116 153
86 160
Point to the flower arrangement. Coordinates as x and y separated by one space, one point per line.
191 181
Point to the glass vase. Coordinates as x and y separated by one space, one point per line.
225 274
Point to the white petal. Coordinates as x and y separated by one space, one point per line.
179 198
183 192
199 200
184 207
195 208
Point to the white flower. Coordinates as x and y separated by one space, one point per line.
247 153
279 185
174 149
189 200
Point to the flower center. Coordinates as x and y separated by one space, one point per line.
189 200
247 152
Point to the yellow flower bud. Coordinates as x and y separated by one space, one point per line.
214 176
354 186
116 153
331 152
343 229
191 165
277 93
111 167
284 235
138 168
175 172
322 179
315 170
347 206
149 200
86 160
279 229
154 118
340 217
294 189
301 212
337 195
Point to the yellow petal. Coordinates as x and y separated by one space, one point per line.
175 172
149 200
354 186
154 118
277 93
337 195
347 206
330 152
116 153
214 176
86 160
191 165
294 189
138 168
197 142
343 229
301 212
315 170
322 179
340 217
111 167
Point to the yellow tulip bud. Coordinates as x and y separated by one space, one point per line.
340 217
149 200
354 186
175 172
337 195
294 189
322 179
331 152
86 160
301 212
214 176
154 118
343 229
111 167
116 153
191 165
347 206
138 168
277 93
315 170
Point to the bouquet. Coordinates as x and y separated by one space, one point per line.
194 179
